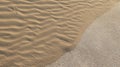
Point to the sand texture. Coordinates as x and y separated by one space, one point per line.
99 46
34 33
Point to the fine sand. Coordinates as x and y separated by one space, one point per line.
34 33
99 46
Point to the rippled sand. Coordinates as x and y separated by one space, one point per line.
34 33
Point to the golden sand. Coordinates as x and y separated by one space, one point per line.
34 33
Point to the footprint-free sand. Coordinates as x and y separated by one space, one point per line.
34 33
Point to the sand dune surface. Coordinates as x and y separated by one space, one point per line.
34 33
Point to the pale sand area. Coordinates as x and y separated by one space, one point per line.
99 46
34 33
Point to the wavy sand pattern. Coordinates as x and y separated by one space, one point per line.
34 33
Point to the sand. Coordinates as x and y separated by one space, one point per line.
99 46
36 33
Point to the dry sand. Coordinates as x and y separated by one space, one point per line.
99 46
36 33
